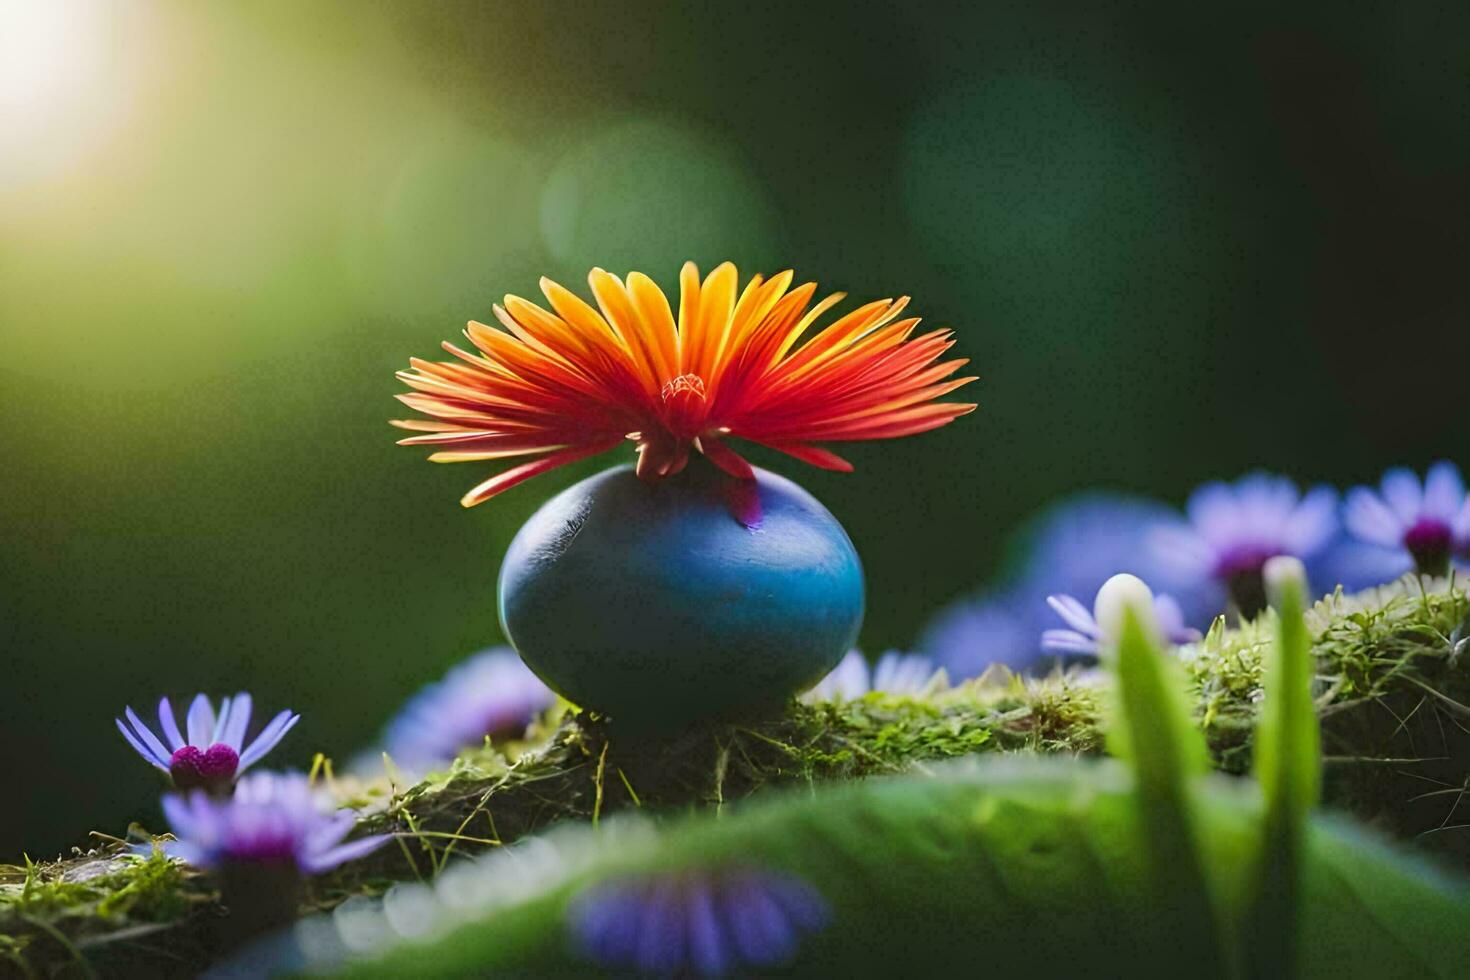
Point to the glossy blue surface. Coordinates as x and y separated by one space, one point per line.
650 603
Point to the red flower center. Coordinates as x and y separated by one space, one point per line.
212 769
684 406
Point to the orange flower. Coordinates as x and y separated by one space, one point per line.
563 384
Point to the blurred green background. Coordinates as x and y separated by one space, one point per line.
1176 244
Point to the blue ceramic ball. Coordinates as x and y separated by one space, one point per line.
650 603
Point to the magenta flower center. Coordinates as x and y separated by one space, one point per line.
1240 570
1430 541
268 847
212 769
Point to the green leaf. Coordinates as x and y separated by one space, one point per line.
1152 728
1287 740
1288 768
1153 732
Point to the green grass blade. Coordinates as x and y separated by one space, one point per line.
1288 768
1152 730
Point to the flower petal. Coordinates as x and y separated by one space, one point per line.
1068 641
661 930
1403 494
761 930
1444 492
1311 526
579 379
200 721
342 853
330 833
1213 510
849 679
221 719
1171 620
269 736
1181 552
176 810
902 673
709 946
147 753
801 902
1074 614
1366 516
146 734
234 730
169 724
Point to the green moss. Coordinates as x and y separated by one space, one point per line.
55 916
1392 693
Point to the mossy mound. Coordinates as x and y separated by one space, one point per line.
1394 685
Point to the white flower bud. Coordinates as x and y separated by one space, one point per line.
1125 592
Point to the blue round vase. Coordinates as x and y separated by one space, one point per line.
650 603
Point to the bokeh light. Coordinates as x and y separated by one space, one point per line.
70 71
648 194
450 229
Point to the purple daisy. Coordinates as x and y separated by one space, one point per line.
967 637
213 754
1407 524
1233 529
491 694
894 673
273 820
1074 546
709 923
1070 547
1084 634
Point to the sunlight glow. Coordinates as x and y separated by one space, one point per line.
60 90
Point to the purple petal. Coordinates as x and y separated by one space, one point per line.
969 636
1183 553
1263 502
1367 517
143 750
200 721
149 739
1313 524
268 738
188 853
661 930
802 903
1213 511
331 833
605 923
182 819
1357 565
1068 641
234 729
1403 494
225 706
342 853
1074 614
762 933
1171 620
169 725
708 945
1461 526
1444 492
